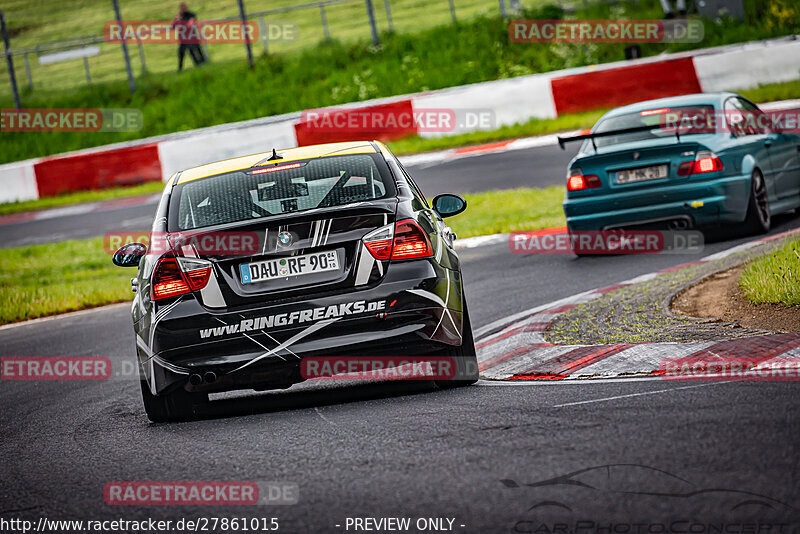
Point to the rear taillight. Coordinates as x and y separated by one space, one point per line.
410 241
578 181
168 280
171 279
403 240
704 161
379 242
197 272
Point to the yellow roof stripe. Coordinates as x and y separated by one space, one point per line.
289 154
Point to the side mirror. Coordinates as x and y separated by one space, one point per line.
129 255
447 205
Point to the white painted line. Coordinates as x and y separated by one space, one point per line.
477 241
642 278
78 209
732 250
781 104
568 382
656 392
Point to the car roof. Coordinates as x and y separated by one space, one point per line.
288 154
696 99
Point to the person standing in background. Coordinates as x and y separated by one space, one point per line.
668 13
189 38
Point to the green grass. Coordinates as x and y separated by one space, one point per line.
510 210
71 275
54 278
334 71
33 22
773 92
775 277
80 197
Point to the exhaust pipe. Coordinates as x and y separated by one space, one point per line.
195 379
210 377
679 224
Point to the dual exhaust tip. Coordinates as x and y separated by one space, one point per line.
679 224
209 377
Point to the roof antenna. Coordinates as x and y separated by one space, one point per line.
274 156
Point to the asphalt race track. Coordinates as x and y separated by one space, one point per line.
485 456
535 167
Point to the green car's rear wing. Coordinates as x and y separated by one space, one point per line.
592 136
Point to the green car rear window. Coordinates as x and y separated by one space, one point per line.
654 118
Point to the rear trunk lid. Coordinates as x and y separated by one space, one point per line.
289 257
637 165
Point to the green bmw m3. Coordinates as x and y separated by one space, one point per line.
684 162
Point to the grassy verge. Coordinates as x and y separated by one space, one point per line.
80 197
495 212
772 92
55 278
336 72
774 277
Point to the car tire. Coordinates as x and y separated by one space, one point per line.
174 406
465 358
570 233
758 220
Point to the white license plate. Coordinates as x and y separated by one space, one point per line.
641 174
261 271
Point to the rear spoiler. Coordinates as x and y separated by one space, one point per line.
564 140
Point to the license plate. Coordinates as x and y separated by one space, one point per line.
261 271
641 174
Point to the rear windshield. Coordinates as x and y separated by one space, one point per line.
289 188
660 119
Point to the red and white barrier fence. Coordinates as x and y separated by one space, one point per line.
455 110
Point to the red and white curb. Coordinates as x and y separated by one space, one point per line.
514 348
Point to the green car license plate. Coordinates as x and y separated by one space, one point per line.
641 174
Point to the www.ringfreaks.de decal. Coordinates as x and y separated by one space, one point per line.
295 317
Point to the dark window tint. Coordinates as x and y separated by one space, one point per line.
659 119
291 187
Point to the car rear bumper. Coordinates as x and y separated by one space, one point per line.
705 202
415 310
